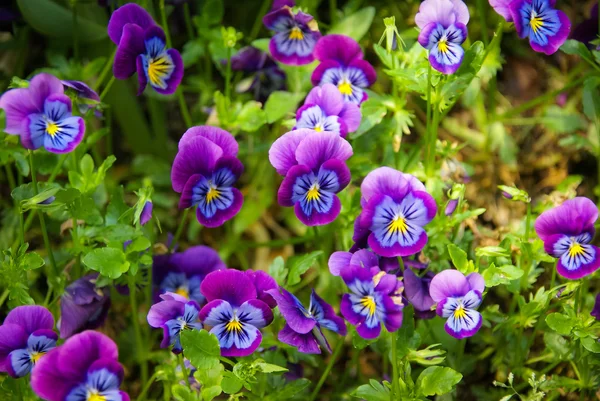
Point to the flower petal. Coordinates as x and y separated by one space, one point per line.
230 285
448 283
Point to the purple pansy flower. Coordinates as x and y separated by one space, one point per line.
86 96
83 306
41 115
416 292
303 327
451 207
263 283
25 337
596 311
587 31
546 27
174 314
141 47
314 169
360 258
325 110
234 312
84 368
204 172
457 298
146 213
296 35
277 4
182 273
375 299
268 77
396 207
502 7
342 65
567 231
443 26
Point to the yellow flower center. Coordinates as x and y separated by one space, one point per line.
345 88
398 224
575 249
212 194
318 128
183 291
51 128
313 193
296 34
35 356
443 45
94 396
369 303
234 325
460 312
158 68
536 22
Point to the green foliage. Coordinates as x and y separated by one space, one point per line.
355 25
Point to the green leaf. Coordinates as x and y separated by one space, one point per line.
437 380
356 25
575 47
560 323
230 383
201 348
182 393
109 262
277 270
591 344
374 391
299 266
210 380
557 344
251 117
591 98
291 389
494 276
268 367
459 258
492 251
280 103
139 244
262 44
32 261
373 112
213 11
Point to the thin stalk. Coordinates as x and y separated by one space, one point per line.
10 176
258 20
185 112
481 10
42 219
107 68
163 19
428 122
553 279
4 296
336 354
151 381
395 390
179 229
22 226
75 34
332 11
528 222
430 166
107 87
228 75
184 371
188 21
136 328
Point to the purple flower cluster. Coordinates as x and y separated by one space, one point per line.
86 367
313 164
267 76
567 231
296 35
41 115
396 207
142 48
204 172
546 27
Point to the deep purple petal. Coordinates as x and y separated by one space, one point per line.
221 216
388 181
585 268
12 337
293 311
218 136
187 194
306 343
241 352
173 81
263 283
82 308
216 312
49 382
417 291
340 169
572 218
448 283
393 314
198 260
317 218
142 79
230 285
351 115
256 313
318 73
128 50
326 316
286 189
146 215
340 48
128 14
282 154
367 69
346 309
30 318
319 147
328 98
198 156
110 365
164 311
79 352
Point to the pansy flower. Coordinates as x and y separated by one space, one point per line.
546 27
263 283
84 368
86 97
342 65
313 164
587 31
41 115
174 314
141 47
375 299
360 258
303 327
296 35
267 76
182 272
396 207
502 7
325 110
25 337
146 214
567 231
416 292
83 306
204 172
457 299
443 26
234 312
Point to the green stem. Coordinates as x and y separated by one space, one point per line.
163 19
395 391
258 20
188 21
107 87
22 226
553 279
227 361
105 71
184 371
10 176
179 229
228 75
481 10
336 354
42 219
4 296
136 328
149 383
528 222
332 11
428 122
185 112
430 163
75 33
